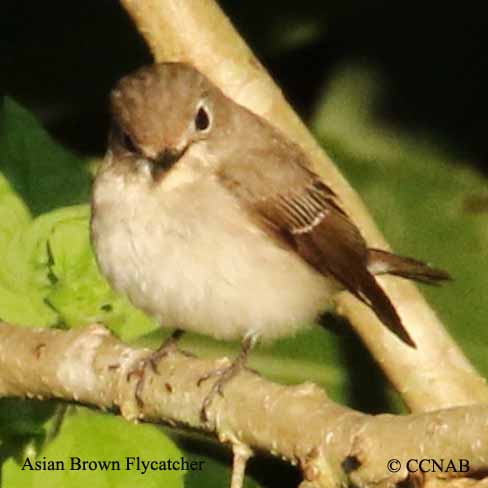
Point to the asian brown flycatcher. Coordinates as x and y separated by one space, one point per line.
211 220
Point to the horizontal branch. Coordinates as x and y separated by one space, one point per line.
331 443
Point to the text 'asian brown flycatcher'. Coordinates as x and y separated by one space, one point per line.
211 220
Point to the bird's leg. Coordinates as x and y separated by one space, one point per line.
168 346
226 373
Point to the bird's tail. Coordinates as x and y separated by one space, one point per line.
383 262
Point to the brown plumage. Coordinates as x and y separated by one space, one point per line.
293 204
308 218
203 172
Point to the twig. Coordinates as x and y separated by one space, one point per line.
241 454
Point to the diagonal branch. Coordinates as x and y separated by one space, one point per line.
332 444
435 375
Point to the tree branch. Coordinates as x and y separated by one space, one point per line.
332 444
437 374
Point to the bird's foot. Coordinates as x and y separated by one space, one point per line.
167 347
225 374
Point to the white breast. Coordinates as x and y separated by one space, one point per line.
190 257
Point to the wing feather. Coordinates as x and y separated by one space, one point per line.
306 214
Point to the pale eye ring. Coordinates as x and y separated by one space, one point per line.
202 119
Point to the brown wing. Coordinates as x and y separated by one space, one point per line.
295 204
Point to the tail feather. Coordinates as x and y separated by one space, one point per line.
383 262
372 294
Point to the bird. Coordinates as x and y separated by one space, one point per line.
210 219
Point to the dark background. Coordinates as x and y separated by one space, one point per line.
60 59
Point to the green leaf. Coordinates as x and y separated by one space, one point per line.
97 438
48 274
79 294
23 417
23 278
46 175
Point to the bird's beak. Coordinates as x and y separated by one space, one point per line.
168 157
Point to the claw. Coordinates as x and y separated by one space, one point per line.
211 374
226 374
139 372
168 346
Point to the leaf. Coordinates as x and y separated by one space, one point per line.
23 417
79 294
43 173
110 447
22 278
48 274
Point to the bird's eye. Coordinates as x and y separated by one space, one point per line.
202 120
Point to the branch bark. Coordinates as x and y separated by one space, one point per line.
434 376
332 444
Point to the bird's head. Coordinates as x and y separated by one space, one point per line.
159 112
